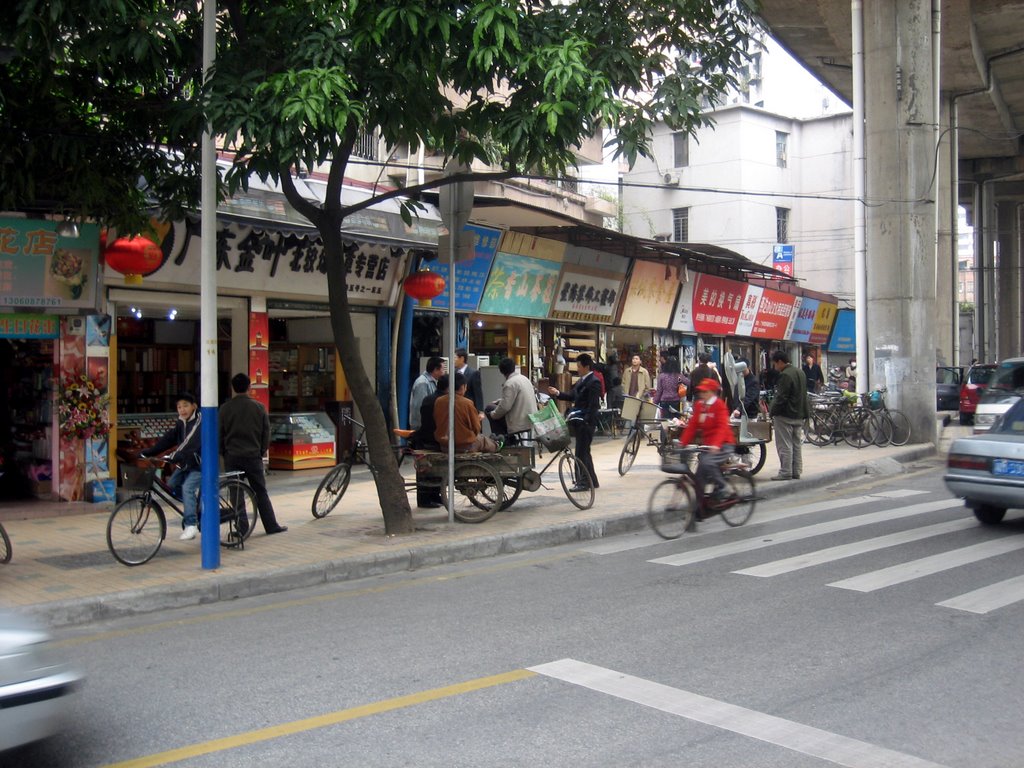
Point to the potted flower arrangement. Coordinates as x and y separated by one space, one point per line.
82 408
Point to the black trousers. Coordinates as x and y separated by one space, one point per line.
584 437
253 469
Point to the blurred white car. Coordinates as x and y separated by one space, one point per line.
987 471
35 687
1004 389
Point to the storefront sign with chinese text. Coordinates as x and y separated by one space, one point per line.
651 295
823 320
717 303
470 275
39 268
520 286
586 295
25 326
773 315
803 324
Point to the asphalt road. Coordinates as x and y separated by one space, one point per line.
833 632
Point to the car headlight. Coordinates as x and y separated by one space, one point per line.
984 419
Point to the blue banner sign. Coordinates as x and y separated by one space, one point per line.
470 275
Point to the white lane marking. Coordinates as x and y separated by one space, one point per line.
796 534
842 551
988 598
926 566
747 722
898 493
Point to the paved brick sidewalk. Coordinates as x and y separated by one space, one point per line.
62 571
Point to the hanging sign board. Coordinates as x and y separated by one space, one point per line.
39 268
651 295
471 274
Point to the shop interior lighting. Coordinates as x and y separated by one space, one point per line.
136 311
479 323
172 313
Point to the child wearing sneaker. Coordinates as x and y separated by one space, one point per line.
709 425
186 478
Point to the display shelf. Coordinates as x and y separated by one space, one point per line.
301 376
28 443
301 441
149 378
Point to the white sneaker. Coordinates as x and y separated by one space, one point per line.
189 533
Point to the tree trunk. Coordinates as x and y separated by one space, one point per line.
394 500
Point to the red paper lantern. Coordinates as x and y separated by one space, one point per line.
133 257
423 286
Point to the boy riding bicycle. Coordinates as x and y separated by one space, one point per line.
709 424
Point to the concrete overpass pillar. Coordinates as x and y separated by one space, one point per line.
985 273
901 199
946 317
1008 280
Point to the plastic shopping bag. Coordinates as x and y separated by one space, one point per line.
549 428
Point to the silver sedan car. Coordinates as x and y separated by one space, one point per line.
34 686
987 471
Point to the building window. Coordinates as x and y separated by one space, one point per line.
781 148
681 225
782 225
681 149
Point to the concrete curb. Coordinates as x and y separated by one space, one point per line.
222 588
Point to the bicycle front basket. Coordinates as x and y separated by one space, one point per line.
137 478
875 401
554 441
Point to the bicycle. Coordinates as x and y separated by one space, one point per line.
677 503
5 546
334 484
138 526
897 419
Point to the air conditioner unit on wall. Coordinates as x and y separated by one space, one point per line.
672 179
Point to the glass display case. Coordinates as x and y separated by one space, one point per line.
301 441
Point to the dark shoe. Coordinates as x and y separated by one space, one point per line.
279 529
579 489
783 477
796 477
430 505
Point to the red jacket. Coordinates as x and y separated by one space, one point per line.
712 422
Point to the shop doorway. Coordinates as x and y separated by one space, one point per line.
26 418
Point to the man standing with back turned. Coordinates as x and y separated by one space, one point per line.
789 410
244 438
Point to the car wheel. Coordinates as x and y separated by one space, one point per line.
988 514
966 419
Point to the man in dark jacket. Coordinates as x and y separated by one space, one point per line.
185 481
474 386
427 496
586 402
789 410
244 438
701 372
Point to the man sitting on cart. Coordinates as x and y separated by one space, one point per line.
709 425
468 422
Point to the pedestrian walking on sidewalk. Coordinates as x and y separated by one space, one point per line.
185 480
244 439
789 410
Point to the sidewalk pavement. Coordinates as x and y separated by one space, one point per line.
63 574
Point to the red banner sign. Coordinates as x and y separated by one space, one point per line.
716 304
773 314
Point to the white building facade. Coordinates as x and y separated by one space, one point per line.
754 181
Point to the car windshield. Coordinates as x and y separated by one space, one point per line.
980 375
1009 377
1012 422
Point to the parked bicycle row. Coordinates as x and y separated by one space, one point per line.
858 421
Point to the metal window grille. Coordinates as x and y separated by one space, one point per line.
782 225
681 225
781 146
366 146
681 149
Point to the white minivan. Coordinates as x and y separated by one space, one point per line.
1004 389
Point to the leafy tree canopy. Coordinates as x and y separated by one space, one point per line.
94 91
103 102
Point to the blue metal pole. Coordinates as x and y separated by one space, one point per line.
403 362
384 372
210 507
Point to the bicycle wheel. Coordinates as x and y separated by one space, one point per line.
5 546
900 427
852 429
752 456
576 481
630 448
136 529
737 511
479 492
237 503
513 490
331 489
878 429
671 507
819 431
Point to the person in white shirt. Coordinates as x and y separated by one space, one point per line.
425 384
511 413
